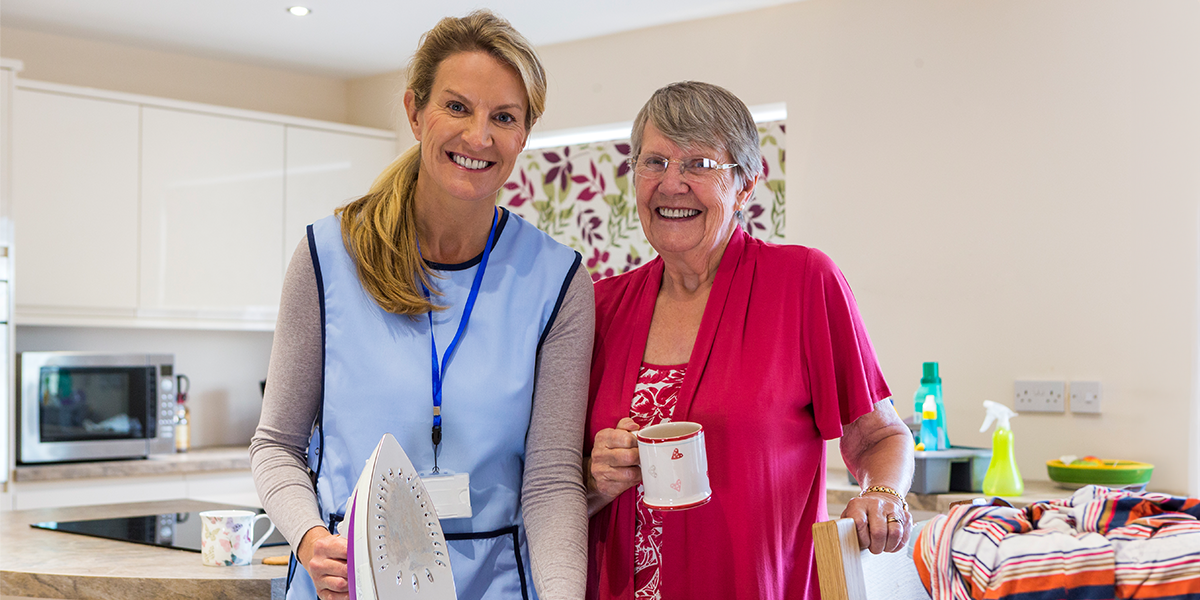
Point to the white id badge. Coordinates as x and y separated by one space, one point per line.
451 494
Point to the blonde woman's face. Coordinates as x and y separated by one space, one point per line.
472 129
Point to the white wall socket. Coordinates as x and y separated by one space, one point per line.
1085 397
1039 396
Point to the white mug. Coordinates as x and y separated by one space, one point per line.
674 466
225 537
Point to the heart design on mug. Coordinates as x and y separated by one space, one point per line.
678 485
676 455
654 471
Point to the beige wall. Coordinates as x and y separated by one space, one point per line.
122 68
367 101
1010 187
376 101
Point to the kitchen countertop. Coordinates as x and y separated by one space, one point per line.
839 491
38 563
222 458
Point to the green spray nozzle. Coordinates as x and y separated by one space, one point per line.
997 412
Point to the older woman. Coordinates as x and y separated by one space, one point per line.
763 345
423 310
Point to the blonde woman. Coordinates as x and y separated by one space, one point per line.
425 285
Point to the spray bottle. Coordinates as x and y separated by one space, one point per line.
931 384
1002 477
183 428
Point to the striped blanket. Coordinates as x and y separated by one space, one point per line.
1098 543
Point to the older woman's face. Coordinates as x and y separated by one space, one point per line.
472 128
683 216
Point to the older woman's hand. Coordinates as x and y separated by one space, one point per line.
878 448
882 522
613 466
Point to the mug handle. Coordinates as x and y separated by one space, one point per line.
266 535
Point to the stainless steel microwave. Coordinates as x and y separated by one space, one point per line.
74 406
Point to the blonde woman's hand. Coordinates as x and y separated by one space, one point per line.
613 466
323 555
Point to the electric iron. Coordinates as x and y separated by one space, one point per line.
396 546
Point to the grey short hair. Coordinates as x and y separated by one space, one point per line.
693 113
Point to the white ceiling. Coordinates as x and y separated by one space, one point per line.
341 38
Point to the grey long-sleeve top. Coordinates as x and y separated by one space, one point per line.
552 493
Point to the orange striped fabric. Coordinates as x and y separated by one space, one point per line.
1098 543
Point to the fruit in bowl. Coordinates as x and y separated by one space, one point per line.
1071 472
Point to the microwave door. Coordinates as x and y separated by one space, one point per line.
84 412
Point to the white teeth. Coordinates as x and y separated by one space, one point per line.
678 213
469 163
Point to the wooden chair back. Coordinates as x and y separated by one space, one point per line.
844 573
839 560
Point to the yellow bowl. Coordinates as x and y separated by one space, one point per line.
1112 473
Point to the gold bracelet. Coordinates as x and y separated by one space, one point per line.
886 490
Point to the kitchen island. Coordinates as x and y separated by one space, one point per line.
37 563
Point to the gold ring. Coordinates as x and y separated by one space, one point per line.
892 519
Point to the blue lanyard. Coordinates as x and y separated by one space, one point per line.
439 373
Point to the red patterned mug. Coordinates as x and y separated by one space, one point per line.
674 465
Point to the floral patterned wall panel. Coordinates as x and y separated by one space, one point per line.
581 195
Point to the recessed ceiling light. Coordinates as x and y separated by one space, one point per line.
299 11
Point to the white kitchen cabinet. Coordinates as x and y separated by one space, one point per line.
212 212
326 169
89 492
226 487
147 212
75 201
231 487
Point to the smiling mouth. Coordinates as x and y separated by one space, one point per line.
677 213
469 163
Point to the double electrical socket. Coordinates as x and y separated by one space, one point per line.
1039 396
1050 396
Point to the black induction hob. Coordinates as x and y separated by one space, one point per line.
169 530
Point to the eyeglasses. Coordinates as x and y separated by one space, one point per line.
654 167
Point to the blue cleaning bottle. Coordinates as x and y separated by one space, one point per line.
929 419
931 385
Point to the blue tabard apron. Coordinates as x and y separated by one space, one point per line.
377 380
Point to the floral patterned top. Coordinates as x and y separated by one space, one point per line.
654 401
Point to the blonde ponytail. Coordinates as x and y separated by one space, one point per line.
380 232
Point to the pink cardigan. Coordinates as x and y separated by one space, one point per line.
781 363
